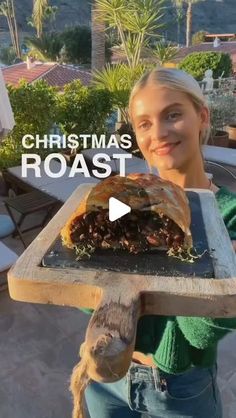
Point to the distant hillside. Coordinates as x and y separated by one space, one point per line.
70 12
211 15
214 16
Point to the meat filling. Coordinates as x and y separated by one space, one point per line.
137 231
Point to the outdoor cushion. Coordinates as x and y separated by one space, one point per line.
7 257
132 165
220 154
63 189
6 226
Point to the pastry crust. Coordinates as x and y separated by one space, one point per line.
141 192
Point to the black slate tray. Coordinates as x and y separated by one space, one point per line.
151 263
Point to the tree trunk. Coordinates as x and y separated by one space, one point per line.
189 24
178 31
179 16
9 22
16 35
98 40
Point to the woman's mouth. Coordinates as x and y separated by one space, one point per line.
165 149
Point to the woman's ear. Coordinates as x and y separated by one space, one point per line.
205 116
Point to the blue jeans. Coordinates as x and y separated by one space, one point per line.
149 391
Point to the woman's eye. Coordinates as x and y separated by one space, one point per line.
144 125
173 115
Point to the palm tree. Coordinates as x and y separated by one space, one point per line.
18 51
39 8
119 79
189 20
178 5
135 21
98 38
7 9
164 52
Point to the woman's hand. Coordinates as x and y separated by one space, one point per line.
234 245
143 358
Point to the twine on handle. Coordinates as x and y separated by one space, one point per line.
79 381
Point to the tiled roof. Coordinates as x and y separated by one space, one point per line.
60 75
227 47
55 74
220 35
14 73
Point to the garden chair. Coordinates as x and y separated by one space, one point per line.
7 259
221 162
220 154
7 226
7 256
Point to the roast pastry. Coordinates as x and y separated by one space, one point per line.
160 216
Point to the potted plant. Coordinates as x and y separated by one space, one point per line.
222 107
231 128
220 138
231 121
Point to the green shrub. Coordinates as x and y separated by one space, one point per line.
34 107
37 107
7 55
198 62
72 46
83 110
45 48
199 37
77 45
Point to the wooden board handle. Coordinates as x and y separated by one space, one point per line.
110 336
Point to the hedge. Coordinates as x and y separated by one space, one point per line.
198 62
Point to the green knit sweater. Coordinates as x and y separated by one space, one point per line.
178 343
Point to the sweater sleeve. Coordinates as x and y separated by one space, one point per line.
204 332
87 310
227 205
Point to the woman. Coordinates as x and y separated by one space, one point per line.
173 373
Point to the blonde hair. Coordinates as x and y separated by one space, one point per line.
176 80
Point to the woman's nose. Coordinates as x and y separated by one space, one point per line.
159 130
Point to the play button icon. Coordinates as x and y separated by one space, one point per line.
117 209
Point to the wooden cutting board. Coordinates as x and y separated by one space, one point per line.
120 298
154 262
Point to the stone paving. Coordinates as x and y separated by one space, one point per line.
38 349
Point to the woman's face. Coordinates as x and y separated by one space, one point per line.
167 126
